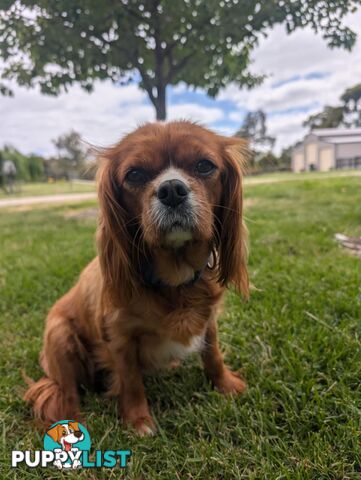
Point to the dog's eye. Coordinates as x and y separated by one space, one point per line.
71 430
136 176
64 432
205 167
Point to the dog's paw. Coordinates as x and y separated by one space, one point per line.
58 464
144 426
230 383
76 464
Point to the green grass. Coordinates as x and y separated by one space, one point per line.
35 189
297 341
290 176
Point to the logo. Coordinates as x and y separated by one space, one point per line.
67 446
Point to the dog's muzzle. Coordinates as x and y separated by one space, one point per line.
173 207
172 193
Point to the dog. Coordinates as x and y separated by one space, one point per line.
67 435
170 239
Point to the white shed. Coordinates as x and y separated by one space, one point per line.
328 148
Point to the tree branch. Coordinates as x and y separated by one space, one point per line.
174 69
147 84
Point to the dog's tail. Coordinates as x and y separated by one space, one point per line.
49 402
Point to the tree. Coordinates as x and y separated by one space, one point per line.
348 114
285 159
352 105
330 117
36 167
72 154
28 167
204 43
254 129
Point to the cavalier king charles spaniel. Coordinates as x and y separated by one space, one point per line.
170 239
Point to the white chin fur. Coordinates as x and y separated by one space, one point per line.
177 237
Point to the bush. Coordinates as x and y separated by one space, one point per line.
29 168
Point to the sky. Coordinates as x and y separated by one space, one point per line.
303 75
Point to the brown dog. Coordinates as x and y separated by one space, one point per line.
170 239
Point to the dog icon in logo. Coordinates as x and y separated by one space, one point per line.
67 435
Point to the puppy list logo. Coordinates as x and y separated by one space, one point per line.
67 446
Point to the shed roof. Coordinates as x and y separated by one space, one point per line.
338 135
338 140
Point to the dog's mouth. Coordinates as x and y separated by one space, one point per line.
167 218
67 446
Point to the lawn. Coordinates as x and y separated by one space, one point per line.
290 176
297 341
44 188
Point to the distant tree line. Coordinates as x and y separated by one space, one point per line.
29 168
347 114
73 160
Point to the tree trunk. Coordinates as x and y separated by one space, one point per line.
160 107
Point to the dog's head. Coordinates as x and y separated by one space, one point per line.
66 434
170 195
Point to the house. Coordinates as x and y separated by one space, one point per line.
325 149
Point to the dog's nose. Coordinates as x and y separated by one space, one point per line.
172 192
78 434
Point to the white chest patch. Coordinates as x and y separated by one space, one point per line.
179 351
169 350
176 237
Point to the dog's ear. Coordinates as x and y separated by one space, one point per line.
232 233
55 433
113 239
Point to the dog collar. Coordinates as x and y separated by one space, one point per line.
150 280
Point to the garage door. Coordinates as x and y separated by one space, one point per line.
326 159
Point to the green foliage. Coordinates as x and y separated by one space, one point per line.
352 105
347 115
205 44
29 168
72 157
71 149
352 95
36 168
297 340
269 162
330 117
285 158
260 158
74 160
254 129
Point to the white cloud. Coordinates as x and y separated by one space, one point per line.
295 57
193 111
288 129
30 120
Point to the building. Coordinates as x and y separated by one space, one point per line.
328 148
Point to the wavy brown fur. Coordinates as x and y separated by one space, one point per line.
113 320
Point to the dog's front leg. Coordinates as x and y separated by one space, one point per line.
223 379
133 405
